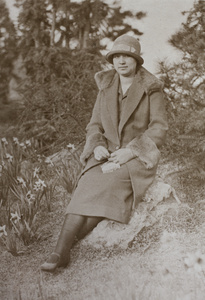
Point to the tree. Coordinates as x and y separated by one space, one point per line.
49 22
59 91
95 19
8 52
187 78
32 24
185 86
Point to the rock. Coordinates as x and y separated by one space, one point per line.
159 199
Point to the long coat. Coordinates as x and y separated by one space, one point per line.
142 127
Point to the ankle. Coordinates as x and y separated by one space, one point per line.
54 258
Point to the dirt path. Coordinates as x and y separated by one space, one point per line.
166 262
153 272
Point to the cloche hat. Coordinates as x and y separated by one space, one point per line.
125 44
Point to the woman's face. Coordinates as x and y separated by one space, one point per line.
125 65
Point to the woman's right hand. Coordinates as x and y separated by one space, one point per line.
100 153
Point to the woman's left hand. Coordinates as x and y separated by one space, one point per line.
121 156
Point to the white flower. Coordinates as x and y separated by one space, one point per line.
22 145
39 185
16 141
28 143
49 161
71 146
3 230
9 157
35 173
15 217
30 197
39 158
4 141
21 181
195 261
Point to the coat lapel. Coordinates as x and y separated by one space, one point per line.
134 96
112 105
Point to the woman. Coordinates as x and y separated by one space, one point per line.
121 154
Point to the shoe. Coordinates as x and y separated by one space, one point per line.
54 263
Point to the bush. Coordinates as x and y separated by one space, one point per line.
59 94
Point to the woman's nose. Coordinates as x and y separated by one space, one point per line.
121 59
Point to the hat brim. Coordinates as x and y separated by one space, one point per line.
109 56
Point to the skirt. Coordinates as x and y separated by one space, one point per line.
108 195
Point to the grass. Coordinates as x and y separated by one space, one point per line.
168 269
9 113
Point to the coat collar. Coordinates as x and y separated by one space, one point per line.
144 82
148 81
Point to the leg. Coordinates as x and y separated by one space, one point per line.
60 258
89 225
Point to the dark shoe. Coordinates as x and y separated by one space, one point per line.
54 262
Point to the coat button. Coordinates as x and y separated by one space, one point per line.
117 147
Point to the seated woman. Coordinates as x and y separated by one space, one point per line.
121 154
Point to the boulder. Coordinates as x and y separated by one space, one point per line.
159 199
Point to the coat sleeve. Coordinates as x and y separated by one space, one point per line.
145 147
95 133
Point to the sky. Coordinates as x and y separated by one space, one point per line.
163 19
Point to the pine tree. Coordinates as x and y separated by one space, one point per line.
60 45
8 43
185 88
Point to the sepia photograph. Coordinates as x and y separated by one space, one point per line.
102 149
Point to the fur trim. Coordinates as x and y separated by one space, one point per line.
105 78
145 150
148 81
94 140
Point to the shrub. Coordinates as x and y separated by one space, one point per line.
58 94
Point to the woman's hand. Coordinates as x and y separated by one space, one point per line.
101 153
121 156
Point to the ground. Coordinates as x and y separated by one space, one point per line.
165 261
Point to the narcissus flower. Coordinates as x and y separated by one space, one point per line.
3 230
35 173
49 161
15 140
22 145
71 146
20 180
15 217
4 141
9 157
39 185
30 197
28 143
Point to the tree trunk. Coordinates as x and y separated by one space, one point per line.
53 27
86 32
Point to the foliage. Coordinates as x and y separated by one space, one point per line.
58 97
95 19
8 52
69 169
60 43
27 187
185 90
32 23
66 23
24 191
9 113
